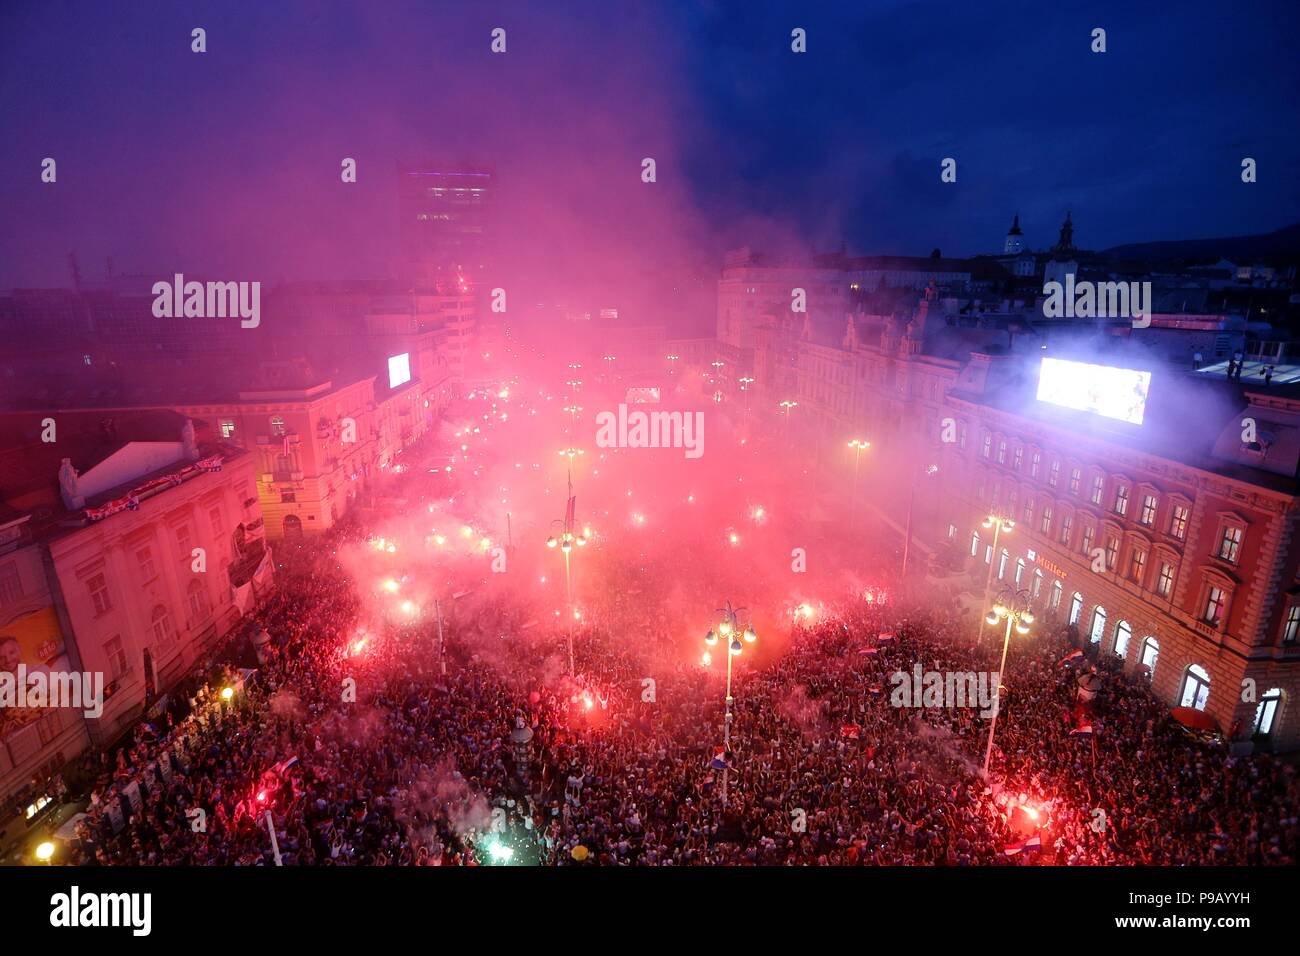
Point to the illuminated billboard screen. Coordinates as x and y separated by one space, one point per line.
399 369
1119 393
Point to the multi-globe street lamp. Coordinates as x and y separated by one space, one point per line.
1013 607
785 410
859 446
730 630
999 524
565 541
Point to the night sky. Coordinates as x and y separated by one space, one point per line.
228 162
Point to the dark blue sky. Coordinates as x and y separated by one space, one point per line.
227 162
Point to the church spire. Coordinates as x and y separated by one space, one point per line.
1015 227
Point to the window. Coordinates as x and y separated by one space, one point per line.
1056 595
1266 712
116 657
98 589
1138 565
1029 512
988 444
1150 654
1067 526
1076 607
1045 520
1098 624
974 543
1035 463
214 522
1196 687
161 624
1075 475
1148 516
1121 499
952 531
961 435
1165 582
1002 564
1178 522
227 429
1020 570
1230 544
1215 603
1002 452
1123 634
277 425
1018 458
287 496
1292 624
1085 541
988 554
144 559
1098 485
11 586
198 600
1038 582
1055 474
1112 552
184 542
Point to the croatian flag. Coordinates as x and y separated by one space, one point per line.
850 731
1074 655
870 651
719 761
1083 730
1032 845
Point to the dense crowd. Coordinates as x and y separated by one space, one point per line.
419 766
462 739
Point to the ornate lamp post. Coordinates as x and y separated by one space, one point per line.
731 631
999 524
1013 607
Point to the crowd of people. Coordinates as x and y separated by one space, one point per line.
621 763
465 740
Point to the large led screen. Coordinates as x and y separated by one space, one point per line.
1119 393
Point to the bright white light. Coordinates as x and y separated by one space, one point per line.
1118 393
399 369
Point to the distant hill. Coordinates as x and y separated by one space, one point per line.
1284 243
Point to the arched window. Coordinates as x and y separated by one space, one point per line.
1002 563
1056 595
1076 607
198 599
161 625
1098 624
1196 687
1150 654
1266 712
1038 582
1123 634
1020 570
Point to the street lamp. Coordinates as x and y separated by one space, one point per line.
785 408
1013 607
730 629
911 500
45 852
859 446
565 541
746 381
999 524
